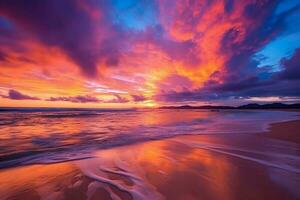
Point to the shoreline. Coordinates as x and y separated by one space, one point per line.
284 131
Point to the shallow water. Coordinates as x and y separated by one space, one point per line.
54 136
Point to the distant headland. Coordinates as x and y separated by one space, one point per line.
247 106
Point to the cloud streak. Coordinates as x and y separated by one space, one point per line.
16 95
76 99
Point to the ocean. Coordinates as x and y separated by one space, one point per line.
46 135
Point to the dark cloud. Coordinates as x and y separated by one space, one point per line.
203 94
138 98
118 99
88 99
291 67
2 56
241 84
72 26
16 95
76 99
229 5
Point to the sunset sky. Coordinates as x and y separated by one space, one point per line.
137 53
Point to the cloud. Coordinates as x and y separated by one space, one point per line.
138 98
2 56
16 95
255 85
291 67
177 51
118 99
76 99
240 76
183 51
79 28
89 99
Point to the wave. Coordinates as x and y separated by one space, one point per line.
23 142
288 161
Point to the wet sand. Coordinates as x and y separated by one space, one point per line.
179 168
289 131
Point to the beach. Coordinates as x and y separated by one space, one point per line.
264 165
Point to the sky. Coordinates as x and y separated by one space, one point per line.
145 53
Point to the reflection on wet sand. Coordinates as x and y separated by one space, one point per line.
173 168
179 171
37 181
